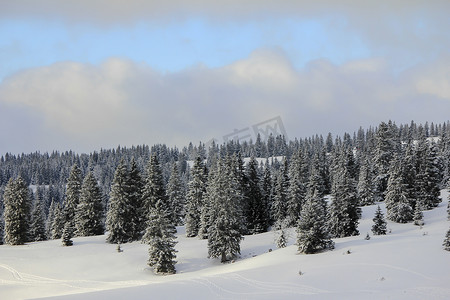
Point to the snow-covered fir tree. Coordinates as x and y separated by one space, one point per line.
176 195
279 204
67 234
312 227
418 216
119 218
224 235
257 210
387 145
89 213
344 210
154 192
50 219
266 191
397 205
365 188
160 231
298 170
2 226
16 200
57 225
379 226
194 197
282 235
428 177
138 217
206 215
446 243
37 225
73 192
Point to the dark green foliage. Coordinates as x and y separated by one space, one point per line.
89 213
446 243
73 192
312 229
176 196
298 171
37 225
397 204
119 219
257 210
137 216
17 212
194 198
365 188
67 234
379 226
418 216
224 235
280 195
57 225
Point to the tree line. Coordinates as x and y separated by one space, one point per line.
227 191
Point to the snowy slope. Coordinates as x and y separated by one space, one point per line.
408 263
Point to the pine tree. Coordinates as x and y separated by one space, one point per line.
206 215
50 219
135 184
282 234
73 192
365 188
2 227
57 226
89 213
428 178
279 205
418 216
67 234
257 219
37 226
379 226
119 219
297 187
224 236
194 197
397 205
160 231
266 190
446 243
312 229
385 149
344 212
17 212
176 195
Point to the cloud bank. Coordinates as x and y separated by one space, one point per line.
86 107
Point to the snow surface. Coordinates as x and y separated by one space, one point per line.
408 263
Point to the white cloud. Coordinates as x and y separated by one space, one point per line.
123 102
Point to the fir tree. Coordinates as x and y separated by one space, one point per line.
160 231
428 178
266 190
194 197
67 234
365 188
418 216
57 226
154 193
17 212
50 219
446 243
379 226
344 214
279 205
89 213
206 217
224 236
119 219
176 195
312 229
282 234
138 217
397 205
73 192
37 226
297 187
257 212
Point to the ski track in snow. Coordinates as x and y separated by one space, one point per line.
257 287
30 280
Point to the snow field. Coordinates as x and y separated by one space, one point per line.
408 263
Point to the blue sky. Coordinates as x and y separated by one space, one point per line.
92 74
